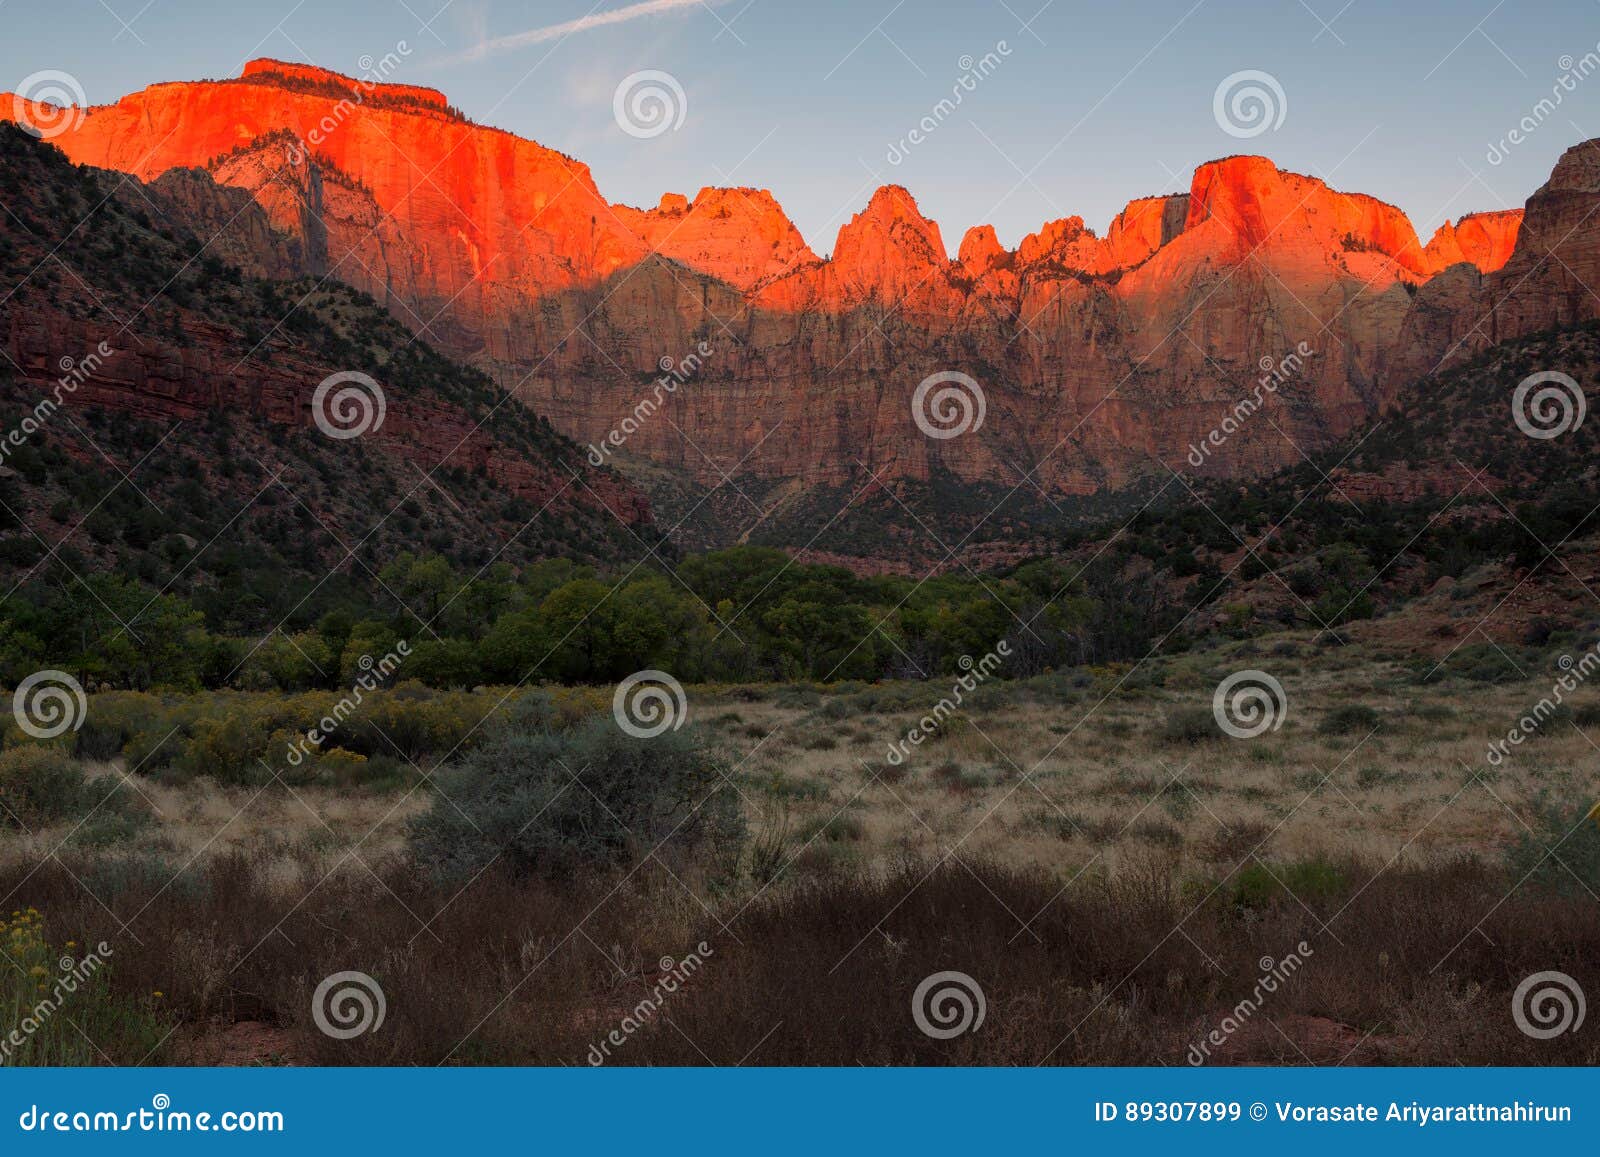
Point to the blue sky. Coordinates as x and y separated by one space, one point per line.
1090 105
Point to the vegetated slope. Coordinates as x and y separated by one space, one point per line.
1445 519
185 454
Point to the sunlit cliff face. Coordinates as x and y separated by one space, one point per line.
1102 355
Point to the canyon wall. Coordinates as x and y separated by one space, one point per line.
1101 359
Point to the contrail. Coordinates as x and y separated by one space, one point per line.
582 24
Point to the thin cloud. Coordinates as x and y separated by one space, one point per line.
583 24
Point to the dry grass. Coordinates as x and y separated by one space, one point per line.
1408 966
1109 879
1093 778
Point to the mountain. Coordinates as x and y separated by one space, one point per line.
1101 360
1443 533
164 422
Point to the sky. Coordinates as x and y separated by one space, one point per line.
1079 107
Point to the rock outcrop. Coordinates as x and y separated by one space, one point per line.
1102 359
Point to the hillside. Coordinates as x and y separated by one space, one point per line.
186 453
1443 530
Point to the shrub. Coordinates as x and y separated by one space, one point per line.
232 748
1190 725
98 742
1562 851
548 802
1301 882
835 829
783 786
98 1028
116 717
41 784
957 779
1348 719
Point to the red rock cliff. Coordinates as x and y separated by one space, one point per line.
1102 358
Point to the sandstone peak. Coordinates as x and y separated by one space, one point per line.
1243 202
892 202
738 235
1144 226
1060 239
981 250
1577 170
890 222
1483 239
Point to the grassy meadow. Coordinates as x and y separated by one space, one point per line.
1111 868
